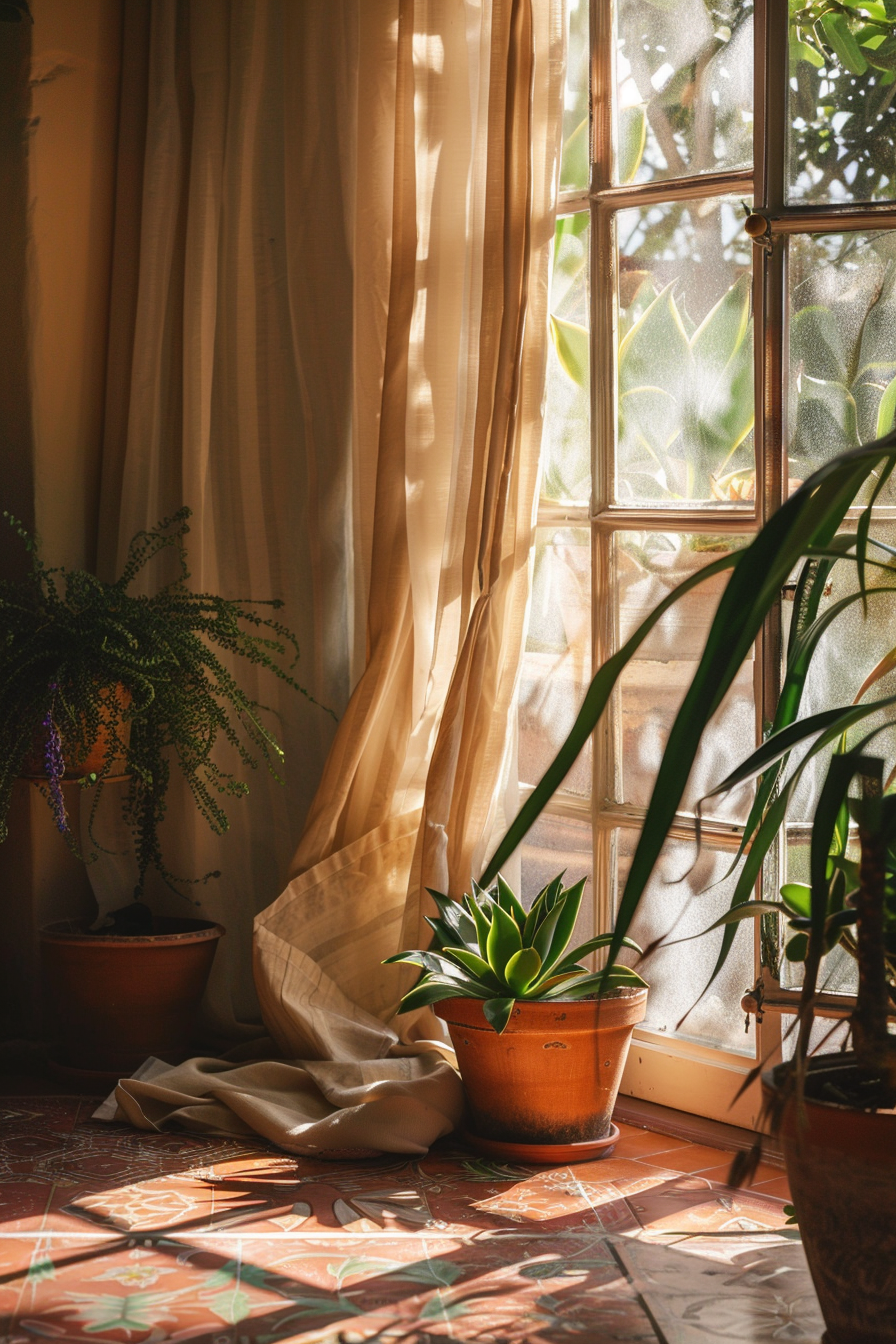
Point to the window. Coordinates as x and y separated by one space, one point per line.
693 376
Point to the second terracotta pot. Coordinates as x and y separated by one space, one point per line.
552 1075
841 1165
117 999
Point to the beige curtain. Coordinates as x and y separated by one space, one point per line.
447 168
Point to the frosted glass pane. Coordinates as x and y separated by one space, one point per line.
575 158
552 845
566 451
842 296
677 903
684 74
685 360
557 661
647 566
826 1038
842 118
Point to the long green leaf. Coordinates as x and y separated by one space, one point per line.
595 703
522 969
503 941
508 901
567 914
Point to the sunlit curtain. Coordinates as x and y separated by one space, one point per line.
329 329
456 174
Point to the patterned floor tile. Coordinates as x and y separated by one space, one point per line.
748 1293
691 1204
507 1289
113 1235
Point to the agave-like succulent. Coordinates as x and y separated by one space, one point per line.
489 947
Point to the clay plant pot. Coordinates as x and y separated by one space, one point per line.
841 1165
117 1000
34 765
550 1079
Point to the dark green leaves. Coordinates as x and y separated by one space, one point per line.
489 947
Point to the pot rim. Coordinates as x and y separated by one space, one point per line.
621 992
774 1078
61 933
625 1005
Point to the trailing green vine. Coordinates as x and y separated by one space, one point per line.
85 662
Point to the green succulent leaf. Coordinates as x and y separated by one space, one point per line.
522 970
566 911
598 982
482 922
476 966
509 902
431 990
497 1012
503 941
455 916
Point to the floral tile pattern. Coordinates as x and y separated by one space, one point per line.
113 1235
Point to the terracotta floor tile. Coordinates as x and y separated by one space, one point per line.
694 1157
765 1172
641 1143
778 1188
690 1204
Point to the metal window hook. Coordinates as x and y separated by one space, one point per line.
758 228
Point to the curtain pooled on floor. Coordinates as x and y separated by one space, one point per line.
447 177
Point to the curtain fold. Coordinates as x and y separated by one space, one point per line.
446 192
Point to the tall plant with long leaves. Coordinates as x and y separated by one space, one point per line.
805 536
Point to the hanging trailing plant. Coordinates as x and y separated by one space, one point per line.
141 684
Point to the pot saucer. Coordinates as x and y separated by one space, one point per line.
543 1154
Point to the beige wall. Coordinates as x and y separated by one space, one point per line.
65 170
75 77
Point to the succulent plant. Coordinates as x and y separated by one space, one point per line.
490 947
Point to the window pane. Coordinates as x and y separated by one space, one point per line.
575 158
684 74
557 661
682 899
839 972
685 355
566 452
552 845
851 649
647 566
842 78
842 296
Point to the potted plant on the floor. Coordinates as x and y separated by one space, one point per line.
540 1052
101 684
836 1114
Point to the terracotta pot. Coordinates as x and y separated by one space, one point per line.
34 765
841 1165
118 1000
551 1077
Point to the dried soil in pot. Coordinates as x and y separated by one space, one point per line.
117 999
841 1165
552 1076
